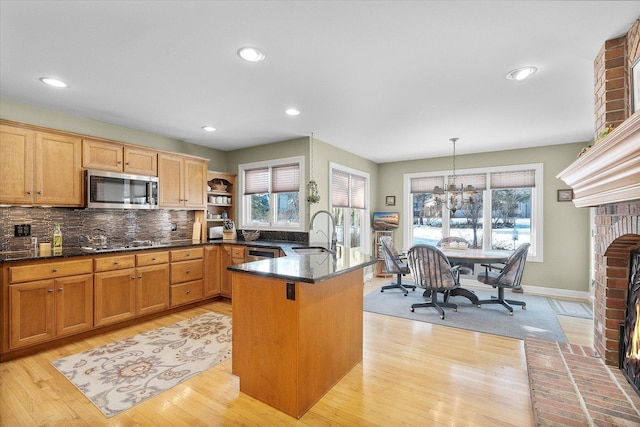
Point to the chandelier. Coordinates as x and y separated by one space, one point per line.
453 197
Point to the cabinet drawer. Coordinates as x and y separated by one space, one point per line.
26 273
186 271
237 252
115 262
186 292
152 258
187 254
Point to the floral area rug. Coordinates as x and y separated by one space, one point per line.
119 375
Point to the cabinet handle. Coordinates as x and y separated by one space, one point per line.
188 291
50 291
29 192
189 254
59 289
54 270
115 262
140 276
153 259
188 271
40 192
133 277
119 162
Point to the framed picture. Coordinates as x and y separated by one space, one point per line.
565 195
635 86
391 200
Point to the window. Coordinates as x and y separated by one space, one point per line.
349 204
271 194
505 211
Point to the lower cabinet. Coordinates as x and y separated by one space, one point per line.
187 274
130 285
212 271
230 255
46 309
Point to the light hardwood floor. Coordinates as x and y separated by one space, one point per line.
412 374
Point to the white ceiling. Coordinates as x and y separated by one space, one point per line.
386 80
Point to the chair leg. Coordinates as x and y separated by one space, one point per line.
433 302
502 301
399 285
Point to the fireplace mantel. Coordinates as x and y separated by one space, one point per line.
610 171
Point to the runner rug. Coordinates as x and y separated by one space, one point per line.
119 375
538 320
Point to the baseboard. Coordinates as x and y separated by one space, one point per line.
537 290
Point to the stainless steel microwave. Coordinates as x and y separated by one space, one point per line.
114 190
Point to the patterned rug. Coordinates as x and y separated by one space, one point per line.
119 375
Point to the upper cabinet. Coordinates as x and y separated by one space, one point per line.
182 181
119 158
39 168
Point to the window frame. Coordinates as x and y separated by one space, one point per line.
536 251
365 235
244 206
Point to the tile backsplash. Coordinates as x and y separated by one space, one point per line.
121 226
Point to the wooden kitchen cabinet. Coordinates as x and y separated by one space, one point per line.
229 255
182 181
39 168
152 282
212 271
48 301
115 293
116 157
187 275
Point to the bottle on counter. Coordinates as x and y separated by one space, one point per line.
57 240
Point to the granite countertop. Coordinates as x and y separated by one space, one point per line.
311 268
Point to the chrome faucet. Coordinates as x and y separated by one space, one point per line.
333 241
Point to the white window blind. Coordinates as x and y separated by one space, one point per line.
478 180
358 187
426 184
339 189
256 181
513 179
285 178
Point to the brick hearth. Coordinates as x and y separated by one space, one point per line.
571 386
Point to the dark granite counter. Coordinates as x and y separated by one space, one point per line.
312 268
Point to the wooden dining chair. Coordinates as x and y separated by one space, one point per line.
507 277
432 271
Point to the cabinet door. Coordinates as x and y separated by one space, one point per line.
212 271
16 165
140 161
152 289
195 184
74 304
225 275
31 308
101 155
170 169
114 297
58 170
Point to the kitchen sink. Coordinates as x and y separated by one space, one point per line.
310 250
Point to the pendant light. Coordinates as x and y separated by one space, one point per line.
312 186
453 197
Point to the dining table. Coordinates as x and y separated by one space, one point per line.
474 256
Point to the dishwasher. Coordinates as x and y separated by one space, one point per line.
257 254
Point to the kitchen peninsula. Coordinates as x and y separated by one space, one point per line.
297 326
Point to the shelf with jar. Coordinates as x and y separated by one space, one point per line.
220 197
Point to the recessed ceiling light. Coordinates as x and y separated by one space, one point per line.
250 54
209 128
521 73
52 82
292 111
